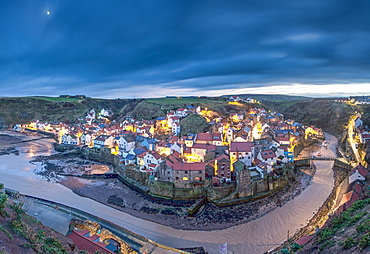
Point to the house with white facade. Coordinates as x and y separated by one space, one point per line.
242 151
267 156
181 112
124 143
104 141
358 173
69 139
152 160
176 128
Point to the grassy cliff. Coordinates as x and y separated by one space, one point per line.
346 233
193 124
26 109
329 115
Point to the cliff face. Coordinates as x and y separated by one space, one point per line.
331 116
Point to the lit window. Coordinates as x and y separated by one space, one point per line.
185 178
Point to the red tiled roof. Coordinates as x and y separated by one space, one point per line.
304 239
207 147
172 159
268 154
176 155
358 188
204 137
141 155
349 198
161 144
241 146
170 163
173 139
86 243
361 170
223 156
156 155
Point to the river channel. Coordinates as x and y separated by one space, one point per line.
257 236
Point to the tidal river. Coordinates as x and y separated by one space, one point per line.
257 236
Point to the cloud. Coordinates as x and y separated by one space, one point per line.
193 46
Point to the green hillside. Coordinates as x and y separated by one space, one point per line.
329 115
25 109
346 233
193 124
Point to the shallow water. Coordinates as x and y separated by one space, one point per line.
256 236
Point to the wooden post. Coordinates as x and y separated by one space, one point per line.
288 236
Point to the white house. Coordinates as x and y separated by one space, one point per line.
68 139
151 159
358 122
175 148
267 156
242 151
86 139
230 134
358 173
103 140
176 128
364 136
90 117
181 112
124 143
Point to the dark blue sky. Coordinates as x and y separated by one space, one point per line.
123 49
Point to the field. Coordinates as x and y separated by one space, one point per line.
184 101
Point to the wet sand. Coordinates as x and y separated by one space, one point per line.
119 196
114 193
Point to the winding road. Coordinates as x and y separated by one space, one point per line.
257 236
352 141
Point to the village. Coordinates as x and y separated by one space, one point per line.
248 156
249 152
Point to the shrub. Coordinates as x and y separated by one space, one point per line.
364 227
285 251
325 234
364 241
295 247
6 232
348 243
